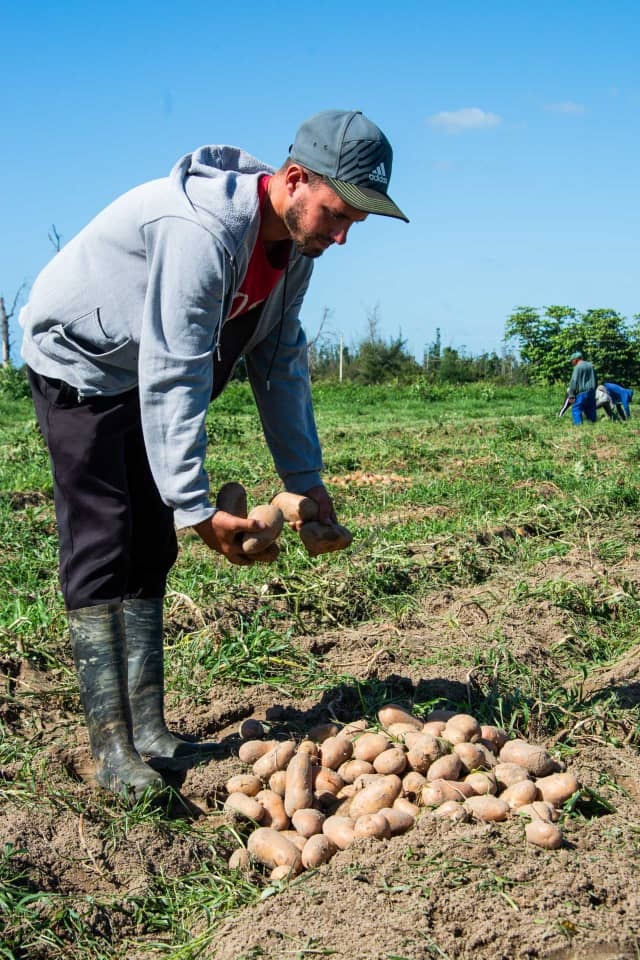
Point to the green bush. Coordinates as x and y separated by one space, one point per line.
14 384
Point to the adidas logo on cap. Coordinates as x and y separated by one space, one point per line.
379 175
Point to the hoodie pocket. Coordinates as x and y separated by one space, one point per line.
87 335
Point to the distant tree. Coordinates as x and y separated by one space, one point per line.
432 356
376 359
547 340
540 339
5 336
612 345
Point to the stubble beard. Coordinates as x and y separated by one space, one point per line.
311 245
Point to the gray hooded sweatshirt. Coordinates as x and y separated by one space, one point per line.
139 298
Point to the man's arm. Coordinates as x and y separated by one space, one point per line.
184 301
279 375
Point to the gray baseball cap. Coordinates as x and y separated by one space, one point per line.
354 157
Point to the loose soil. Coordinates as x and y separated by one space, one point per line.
440 891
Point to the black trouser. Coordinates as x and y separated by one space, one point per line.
117 537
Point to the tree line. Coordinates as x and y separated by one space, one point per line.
536 349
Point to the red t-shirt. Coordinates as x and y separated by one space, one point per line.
261 276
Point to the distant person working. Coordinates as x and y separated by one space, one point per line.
582 386
621 397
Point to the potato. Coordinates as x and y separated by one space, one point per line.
278 782
324 537
256 543
346 792
365 780
369 745
270 848
496 736
399 820
251 729
434 727
295 507
405 806
308 821
355 728
241 807
535 760
448 767
239 859
308 746
275 813
391 761
424 750
276 759
352 769
400 731
244 783
538 810
482 782
461 728
490 758
317 850
436 792
295 838
487 808
557 787
322 731
268 555
335 751
339 830
376 796
410 737
471 756
252 750
283 873
519 794
232 498
298 793
452 810
412 783
391 714
507 774
372 825
545 835
338 808
326 780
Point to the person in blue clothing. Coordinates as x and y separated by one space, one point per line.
621 397
582 386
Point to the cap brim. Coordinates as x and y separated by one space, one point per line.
366 199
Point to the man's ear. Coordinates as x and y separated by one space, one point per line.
294 177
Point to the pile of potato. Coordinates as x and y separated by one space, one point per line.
313 798
300 512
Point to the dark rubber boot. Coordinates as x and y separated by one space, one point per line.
98 645
165 750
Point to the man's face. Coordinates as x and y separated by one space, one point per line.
316 218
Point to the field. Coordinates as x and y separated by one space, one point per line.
495 568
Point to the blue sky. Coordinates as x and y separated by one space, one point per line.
514 126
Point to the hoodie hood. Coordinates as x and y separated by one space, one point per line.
218 185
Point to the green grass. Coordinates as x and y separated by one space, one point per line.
472 487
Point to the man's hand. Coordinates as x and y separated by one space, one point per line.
223 533
326 512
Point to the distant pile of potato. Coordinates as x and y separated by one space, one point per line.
313 798
298 511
